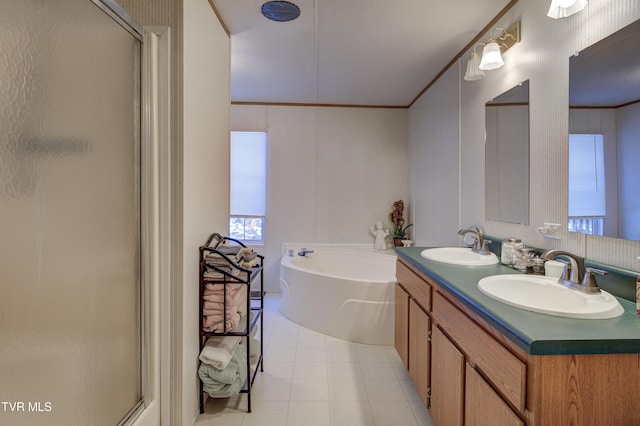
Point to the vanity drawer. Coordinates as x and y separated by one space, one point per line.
505 371
417 288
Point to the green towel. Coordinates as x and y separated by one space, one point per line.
227 382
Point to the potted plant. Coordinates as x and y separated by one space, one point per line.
400 227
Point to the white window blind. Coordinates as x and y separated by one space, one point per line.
248 173
586 176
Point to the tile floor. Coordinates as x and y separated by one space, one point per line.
311 379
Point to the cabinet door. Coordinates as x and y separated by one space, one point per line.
419 351
401 330
483 406
447 381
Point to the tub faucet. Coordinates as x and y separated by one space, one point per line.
575 275
480 245
304 252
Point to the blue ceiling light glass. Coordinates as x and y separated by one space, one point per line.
280 11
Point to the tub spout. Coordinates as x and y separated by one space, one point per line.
304 252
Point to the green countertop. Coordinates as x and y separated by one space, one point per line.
537 334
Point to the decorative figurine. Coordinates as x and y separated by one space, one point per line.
381 236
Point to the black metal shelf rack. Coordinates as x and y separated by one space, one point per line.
233 273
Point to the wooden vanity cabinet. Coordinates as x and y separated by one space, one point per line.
419 350
459 394
483 406
447 381
441 359
413 328
476 376
401 328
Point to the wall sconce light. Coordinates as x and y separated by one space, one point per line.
492 53
473 66
491 57
564 8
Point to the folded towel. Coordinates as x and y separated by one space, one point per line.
213 273
219 298
214 377
219 317
232 253
218 288
219 350
240 301
219 294
217 322
216 305
229 307
215 311
224 249
226 391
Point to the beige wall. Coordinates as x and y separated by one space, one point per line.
206 69
199 168
543 58
333 172
434 155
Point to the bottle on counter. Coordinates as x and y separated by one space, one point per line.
523 260
509 247
538 266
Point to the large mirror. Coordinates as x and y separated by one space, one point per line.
604 137
507 156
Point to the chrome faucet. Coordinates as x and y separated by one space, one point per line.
304 252
575 275
480 245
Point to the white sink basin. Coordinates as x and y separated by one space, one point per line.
459 256
544 295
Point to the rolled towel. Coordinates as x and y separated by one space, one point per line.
219 350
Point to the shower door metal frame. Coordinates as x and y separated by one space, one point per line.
115 12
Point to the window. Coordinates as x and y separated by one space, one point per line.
587 202
248 177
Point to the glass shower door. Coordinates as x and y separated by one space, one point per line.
70 286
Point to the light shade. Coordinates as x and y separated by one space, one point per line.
491 57
564 8
473 71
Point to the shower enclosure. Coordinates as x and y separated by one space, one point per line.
70 252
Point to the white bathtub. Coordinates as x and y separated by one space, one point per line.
345 293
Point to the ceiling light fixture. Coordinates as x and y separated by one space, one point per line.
492 53
564 8
280 11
